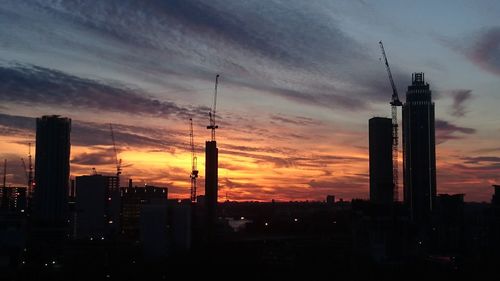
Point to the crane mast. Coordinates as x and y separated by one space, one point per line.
5 174
31 182
211 114
395 102
117 161
194 170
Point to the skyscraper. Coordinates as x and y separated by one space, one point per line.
380 138
419 149
52 169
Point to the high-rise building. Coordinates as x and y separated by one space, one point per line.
97 206
419 149
52 169
134 201
380 138
211 181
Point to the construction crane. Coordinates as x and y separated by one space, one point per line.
4 201
395 102
28 169
5 173
25 168
194 162
212 125
117 161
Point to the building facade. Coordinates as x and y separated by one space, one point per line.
98 206
380 138
211 181
52 169
419 149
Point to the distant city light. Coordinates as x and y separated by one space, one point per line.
242 218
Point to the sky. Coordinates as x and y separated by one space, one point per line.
299 81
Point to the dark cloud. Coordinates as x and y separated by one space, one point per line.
34 85
294 120
460 97
481 159
104 157
448 131
293 50
94 134
485 51
481 48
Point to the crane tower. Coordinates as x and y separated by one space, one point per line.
395 102
194 169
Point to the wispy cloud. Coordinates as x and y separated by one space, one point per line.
485 50
95 134
482 48
292 50
446 130
34 85
460 98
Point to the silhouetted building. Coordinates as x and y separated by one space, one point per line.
180 218
380 138
448 227
97 206
330 199
419 149
52 169
495 199
14 199
153 225
211 181
133 202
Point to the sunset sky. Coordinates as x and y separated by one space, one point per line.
299 81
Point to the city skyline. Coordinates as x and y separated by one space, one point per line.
294 100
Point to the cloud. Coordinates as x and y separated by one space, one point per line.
34 85
295 50
448 131
95 134
485 50
481 159
103 157
481 48
460 97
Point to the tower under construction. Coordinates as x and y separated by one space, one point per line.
212 166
